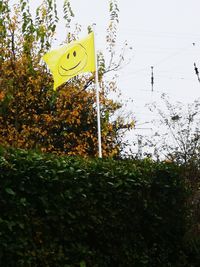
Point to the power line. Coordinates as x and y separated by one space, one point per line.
151 34
159 62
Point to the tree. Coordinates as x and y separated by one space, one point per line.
32 115
176 136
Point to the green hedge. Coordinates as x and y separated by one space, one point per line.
65 211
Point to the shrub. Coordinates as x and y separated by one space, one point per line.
68 211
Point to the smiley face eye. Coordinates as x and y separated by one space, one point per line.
74 53
68 56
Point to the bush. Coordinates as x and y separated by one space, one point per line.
68 211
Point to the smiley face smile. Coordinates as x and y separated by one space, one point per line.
72 67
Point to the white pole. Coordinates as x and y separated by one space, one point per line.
97 99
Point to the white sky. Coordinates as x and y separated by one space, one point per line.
162 34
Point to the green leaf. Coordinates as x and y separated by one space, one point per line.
10 191
82 264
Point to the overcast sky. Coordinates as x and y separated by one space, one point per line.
163 34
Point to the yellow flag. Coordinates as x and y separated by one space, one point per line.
72 59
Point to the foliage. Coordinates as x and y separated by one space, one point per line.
66 211
177 139
32 115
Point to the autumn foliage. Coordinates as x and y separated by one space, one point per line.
32 115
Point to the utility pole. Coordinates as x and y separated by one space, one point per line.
139 147
140 141
152 79
196 71
195 67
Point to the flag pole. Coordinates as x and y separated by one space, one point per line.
97 98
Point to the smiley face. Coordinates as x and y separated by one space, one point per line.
73 61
